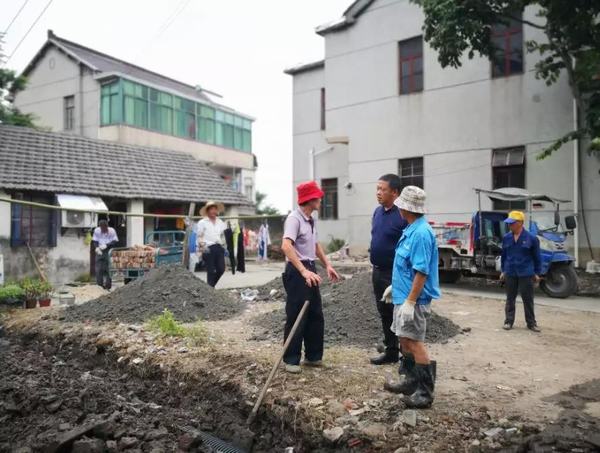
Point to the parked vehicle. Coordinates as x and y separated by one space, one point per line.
474 248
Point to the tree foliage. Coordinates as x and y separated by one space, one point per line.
262 209
10 84
456 28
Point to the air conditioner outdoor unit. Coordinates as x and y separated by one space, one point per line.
77 219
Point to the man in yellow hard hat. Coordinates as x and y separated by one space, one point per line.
521 268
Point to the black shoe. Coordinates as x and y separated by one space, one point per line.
406 361
422 397
407 384
534 328
507 326
386 357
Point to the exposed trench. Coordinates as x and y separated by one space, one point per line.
51 387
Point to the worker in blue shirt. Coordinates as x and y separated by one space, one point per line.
386 228
415 283
521 269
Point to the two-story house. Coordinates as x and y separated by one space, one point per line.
380 102
72 88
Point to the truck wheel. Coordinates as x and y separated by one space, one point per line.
449 276
560 281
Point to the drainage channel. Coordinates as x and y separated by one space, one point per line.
63 396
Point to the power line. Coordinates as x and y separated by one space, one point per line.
29 31
16 15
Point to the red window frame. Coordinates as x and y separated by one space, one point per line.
507 34
411 59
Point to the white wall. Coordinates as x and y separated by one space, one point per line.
5 216
454 124
201 151
55 77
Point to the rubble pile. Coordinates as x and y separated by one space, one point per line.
171 287
350 312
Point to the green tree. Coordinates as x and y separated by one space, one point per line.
456 28
10 84
261 209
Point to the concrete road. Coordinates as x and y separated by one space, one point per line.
591 304
259 274
255 275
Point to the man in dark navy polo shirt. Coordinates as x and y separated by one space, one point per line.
387 227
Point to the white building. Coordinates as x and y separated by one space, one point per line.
381 103
75 89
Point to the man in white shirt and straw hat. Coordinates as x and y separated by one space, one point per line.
210 240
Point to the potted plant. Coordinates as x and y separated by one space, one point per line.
30 288
44 290
12 294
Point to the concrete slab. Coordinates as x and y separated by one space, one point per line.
255 275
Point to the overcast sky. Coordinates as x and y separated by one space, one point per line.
237 48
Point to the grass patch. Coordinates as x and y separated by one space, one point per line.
168 326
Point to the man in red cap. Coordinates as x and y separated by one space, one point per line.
301 280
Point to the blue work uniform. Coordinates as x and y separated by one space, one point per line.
386 229
416 252
523 257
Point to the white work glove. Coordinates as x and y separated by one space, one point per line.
102 247
407 312
98 251
387 295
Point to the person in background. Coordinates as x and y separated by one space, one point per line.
301 281
387 226
103 239
415 282
521 269
210 239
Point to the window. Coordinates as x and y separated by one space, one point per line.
69 109
329 205
508 170
249 188
34 226
411 172
185 117
110 104
161 112
135 104
322 109
124 101
410 62
507 57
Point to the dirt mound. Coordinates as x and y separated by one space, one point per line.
171 287
351 315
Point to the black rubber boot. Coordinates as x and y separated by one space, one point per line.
422 398
386 357
406 361
407 383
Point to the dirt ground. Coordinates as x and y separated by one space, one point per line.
495 391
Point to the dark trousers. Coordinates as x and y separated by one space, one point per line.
311 328
102 274
523 285
214 258
382 278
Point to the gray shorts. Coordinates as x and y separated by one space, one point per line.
413 330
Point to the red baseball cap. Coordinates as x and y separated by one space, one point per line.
308 191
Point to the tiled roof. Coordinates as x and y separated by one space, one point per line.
65 163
